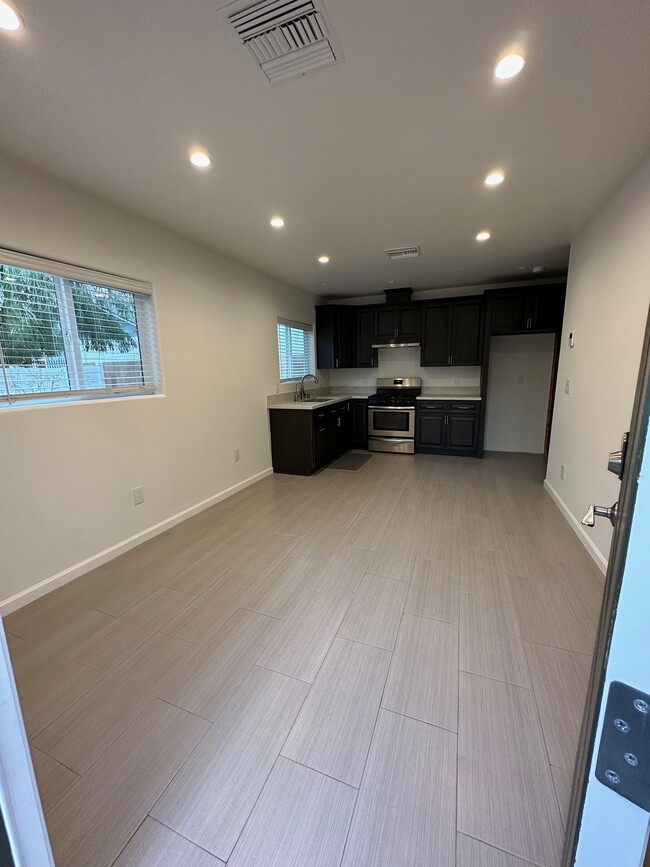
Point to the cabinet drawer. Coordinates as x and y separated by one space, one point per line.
464 406
431 405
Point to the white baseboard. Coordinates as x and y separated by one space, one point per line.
577 528
72 572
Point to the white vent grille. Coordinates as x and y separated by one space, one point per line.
403 253
287 38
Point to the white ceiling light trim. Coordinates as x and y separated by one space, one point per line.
495 178
509 66
200 159
277 222
286 38
9 18
323 259
483 236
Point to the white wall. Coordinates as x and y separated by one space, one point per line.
405 361
518 391
607 305
67 471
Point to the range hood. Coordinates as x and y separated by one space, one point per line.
392 337
394 344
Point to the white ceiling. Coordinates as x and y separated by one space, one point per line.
387 148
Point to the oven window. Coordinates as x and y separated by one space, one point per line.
394 421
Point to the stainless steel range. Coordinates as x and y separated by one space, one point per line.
391 415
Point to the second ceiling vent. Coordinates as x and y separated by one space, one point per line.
403 252
287 38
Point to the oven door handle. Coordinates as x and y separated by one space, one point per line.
393 408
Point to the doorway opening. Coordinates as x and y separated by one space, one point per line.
522 374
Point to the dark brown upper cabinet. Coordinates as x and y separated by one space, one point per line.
436 330
451 332
366 355
522 310
336 331
397 323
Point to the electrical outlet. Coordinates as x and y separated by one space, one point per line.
567 386
235 455
562 471
138 495
572 339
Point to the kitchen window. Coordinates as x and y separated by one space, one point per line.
295 349
68 333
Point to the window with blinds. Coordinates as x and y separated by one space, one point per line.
295 348
68 332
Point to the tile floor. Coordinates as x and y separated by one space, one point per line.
381 667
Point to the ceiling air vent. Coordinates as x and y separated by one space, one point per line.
403 253
287 38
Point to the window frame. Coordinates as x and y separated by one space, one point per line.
301 326
145 326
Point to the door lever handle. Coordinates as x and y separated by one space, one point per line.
594 512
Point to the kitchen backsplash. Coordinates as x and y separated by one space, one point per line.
405 361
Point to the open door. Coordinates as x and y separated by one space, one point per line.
610 807
23 835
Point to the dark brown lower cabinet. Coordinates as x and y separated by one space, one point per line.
303 440
430 430
462 431
447 427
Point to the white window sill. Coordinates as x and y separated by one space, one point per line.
65 401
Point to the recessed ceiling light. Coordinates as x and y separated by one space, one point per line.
277 222
494 178
521 267
390 281
324 283
509 66
323 259
483 236
200 159
9 18
537 269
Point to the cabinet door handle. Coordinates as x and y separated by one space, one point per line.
338 421
321 430
336 362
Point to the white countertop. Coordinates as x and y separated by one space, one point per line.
451 393
314 404
443 393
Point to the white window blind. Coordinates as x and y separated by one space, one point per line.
295 348
71 332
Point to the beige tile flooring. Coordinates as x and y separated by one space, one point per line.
381 667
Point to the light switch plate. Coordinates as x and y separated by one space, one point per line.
567 386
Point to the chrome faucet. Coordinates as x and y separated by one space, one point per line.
300 386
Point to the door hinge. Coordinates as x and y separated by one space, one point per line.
623 763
